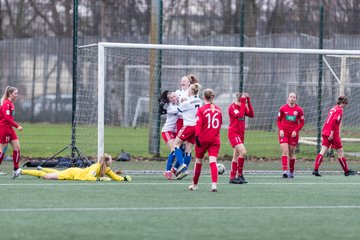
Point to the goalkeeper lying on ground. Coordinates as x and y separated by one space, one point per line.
97 172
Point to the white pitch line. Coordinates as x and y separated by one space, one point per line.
173 208
170 183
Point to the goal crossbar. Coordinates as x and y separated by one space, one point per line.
226 49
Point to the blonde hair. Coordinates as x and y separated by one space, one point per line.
194 88
104 163
209 95
9 90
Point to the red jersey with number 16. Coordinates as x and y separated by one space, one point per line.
7 115
333 121
208 124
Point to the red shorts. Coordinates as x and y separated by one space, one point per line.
210 147
179 124
335 143
187 133
168 136
7 135
293 141
236 139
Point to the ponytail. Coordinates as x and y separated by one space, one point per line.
212 107
5 95
209 95
194 88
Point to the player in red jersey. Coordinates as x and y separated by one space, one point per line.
290 121
7 133
331 137
238 110
207 136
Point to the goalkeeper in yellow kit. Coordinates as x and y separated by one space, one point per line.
99 171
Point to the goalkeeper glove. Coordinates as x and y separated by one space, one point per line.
103 179
127 178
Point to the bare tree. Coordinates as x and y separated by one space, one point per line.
59 22
20 18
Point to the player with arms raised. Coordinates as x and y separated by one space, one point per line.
188 108
238 110
331 137
182 95
290 121
209 120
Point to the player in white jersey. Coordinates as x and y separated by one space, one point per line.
188 108
183 94
168 104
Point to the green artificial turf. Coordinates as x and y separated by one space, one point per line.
152 207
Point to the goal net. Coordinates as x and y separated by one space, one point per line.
118 86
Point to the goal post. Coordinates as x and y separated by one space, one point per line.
101 100
119 76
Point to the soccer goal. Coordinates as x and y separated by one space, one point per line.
118 86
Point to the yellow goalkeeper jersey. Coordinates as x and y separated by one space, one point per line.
88 174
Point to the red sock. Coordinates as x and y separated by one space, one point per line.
233 169
214 172
240 161
343 164
16 159
197 172
1 156
318 161
292 165
284 162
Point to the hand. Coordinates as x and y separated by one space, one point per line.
20 128
197 141
281 133
293 134
103 179
127 178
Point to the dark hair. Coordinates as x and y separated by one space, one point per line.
342 99
163 99
164 96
